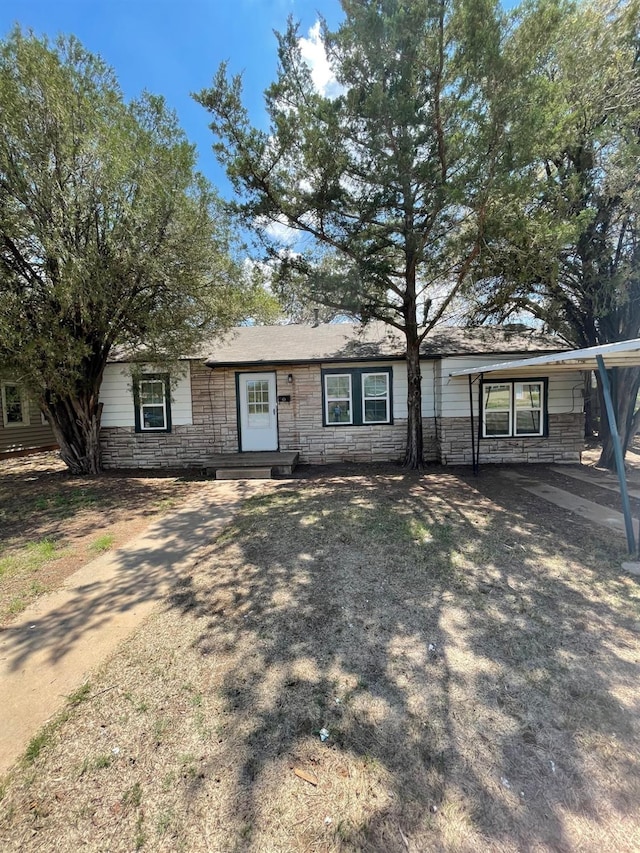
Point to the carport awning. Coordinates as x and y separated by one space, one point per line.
601 359
622 354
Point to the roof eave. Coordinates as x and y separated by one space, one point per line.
365 358
321 360
562 360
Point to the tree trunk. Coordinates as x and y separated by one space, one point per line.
75 422
624 391
414 453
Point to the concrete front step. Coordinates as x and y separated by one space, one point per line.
251 466
244 474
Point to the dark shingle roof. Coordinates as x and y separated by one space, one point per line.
348 341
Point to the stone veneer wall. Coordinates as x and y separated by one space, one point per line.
183 447
187 445
563 444
300 426
380 443
215 429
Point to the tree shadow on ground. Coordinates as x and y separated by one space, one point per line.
471 655
141 572
44 501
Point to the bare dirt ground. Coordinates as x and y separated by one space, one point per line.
52 523
471 651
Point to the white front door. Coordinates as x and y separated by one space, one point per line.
258 411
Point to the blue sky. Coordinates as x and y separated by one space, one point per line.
173 48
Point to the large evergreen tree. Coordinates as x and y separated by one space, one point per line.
107 235
390 178
562 241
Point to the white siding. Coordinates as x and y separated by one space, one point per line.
565 389
454 390
401 389
116 395
437 387
566 393
400 385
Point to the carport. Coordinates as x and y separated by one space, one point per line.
601 359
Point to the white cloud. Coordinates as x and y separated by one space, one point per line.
278 230
315 56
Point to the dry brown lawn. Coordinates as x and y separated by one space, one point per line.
52 523
472 652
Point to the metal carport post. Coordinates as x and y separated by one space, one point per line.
617 449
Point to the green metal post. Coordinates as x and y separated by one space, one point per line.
617 449
473 431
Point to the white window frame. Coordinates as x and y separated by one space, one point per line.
540 409
328 400
386 398
486 387
513 408
142 405
24 406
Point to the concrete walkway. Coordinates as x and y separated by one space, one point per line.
49 652
589 510
602 479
